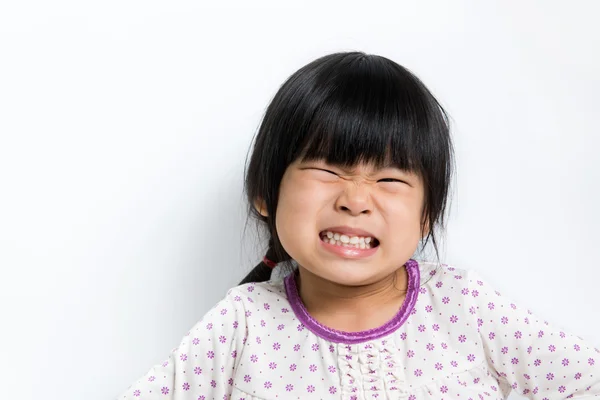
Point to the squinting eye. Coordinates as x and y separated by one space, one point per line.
326 170
391 180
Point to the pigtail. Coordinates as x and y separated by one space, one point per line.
262 272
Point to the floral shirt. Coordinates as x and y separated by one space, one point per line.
454 337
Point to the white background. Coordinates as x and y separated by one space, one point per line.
124 129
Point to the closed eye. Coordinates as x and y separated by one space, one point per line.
391 180
326 170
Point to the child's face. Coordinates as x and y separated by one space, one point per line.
312 200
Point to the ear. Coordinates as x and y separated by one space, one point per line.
261 206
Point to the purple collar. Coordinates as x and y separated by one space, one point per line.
333 335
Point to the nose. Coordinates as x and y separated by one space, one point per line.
355 200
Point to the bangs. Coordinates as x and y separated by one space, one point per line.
370 113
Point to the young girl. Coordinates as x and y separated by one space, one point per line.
350 171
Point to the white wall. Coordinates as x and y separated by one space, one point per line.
124 127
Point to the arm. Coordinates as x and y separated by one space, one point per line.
203 364
533 357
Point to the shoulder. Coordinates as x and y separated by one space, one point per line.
439 277
257 296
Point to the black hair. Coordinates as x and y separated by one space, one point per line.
347 108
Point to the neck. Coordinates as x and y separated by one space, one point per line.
352 308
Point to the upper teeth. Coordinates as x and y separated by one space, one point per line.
349 239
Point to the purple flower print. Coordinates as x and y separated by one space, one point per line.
403 336
285 310
504 320
439 285
230 381
136 393
254 358
562 335
267 306
462 338
565 362
293 367
300 327
412 397
430 346
213 383
504 350
276 346
446 300
331 348
438 366
151 379
332 369
471 357
247 378
248 313
312 368
518 335
422 290
475 293
263 323
421 328
272 365
578 376
222 339
550 376
465 291
280 327
537 362
540 334
480 283
454 319
289 388
209 326
591 361
410 354
250 288
562 389
479 322
435 327
472 310
210 354
234 354
577 348
332 390
258 340
197 370
183 357
429 309
492 335
491 306
444 389
310 389
224 311
268 385
195 341
444 346
514 361
454 364
526 320
418 372
186 386
552 348
315 347
296 347
164 390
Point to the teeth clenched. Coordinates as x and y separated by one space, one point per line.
358 242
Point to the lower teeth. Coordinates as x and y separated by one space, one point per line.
339 243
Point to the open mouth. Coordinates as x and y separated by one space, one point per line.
358 242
